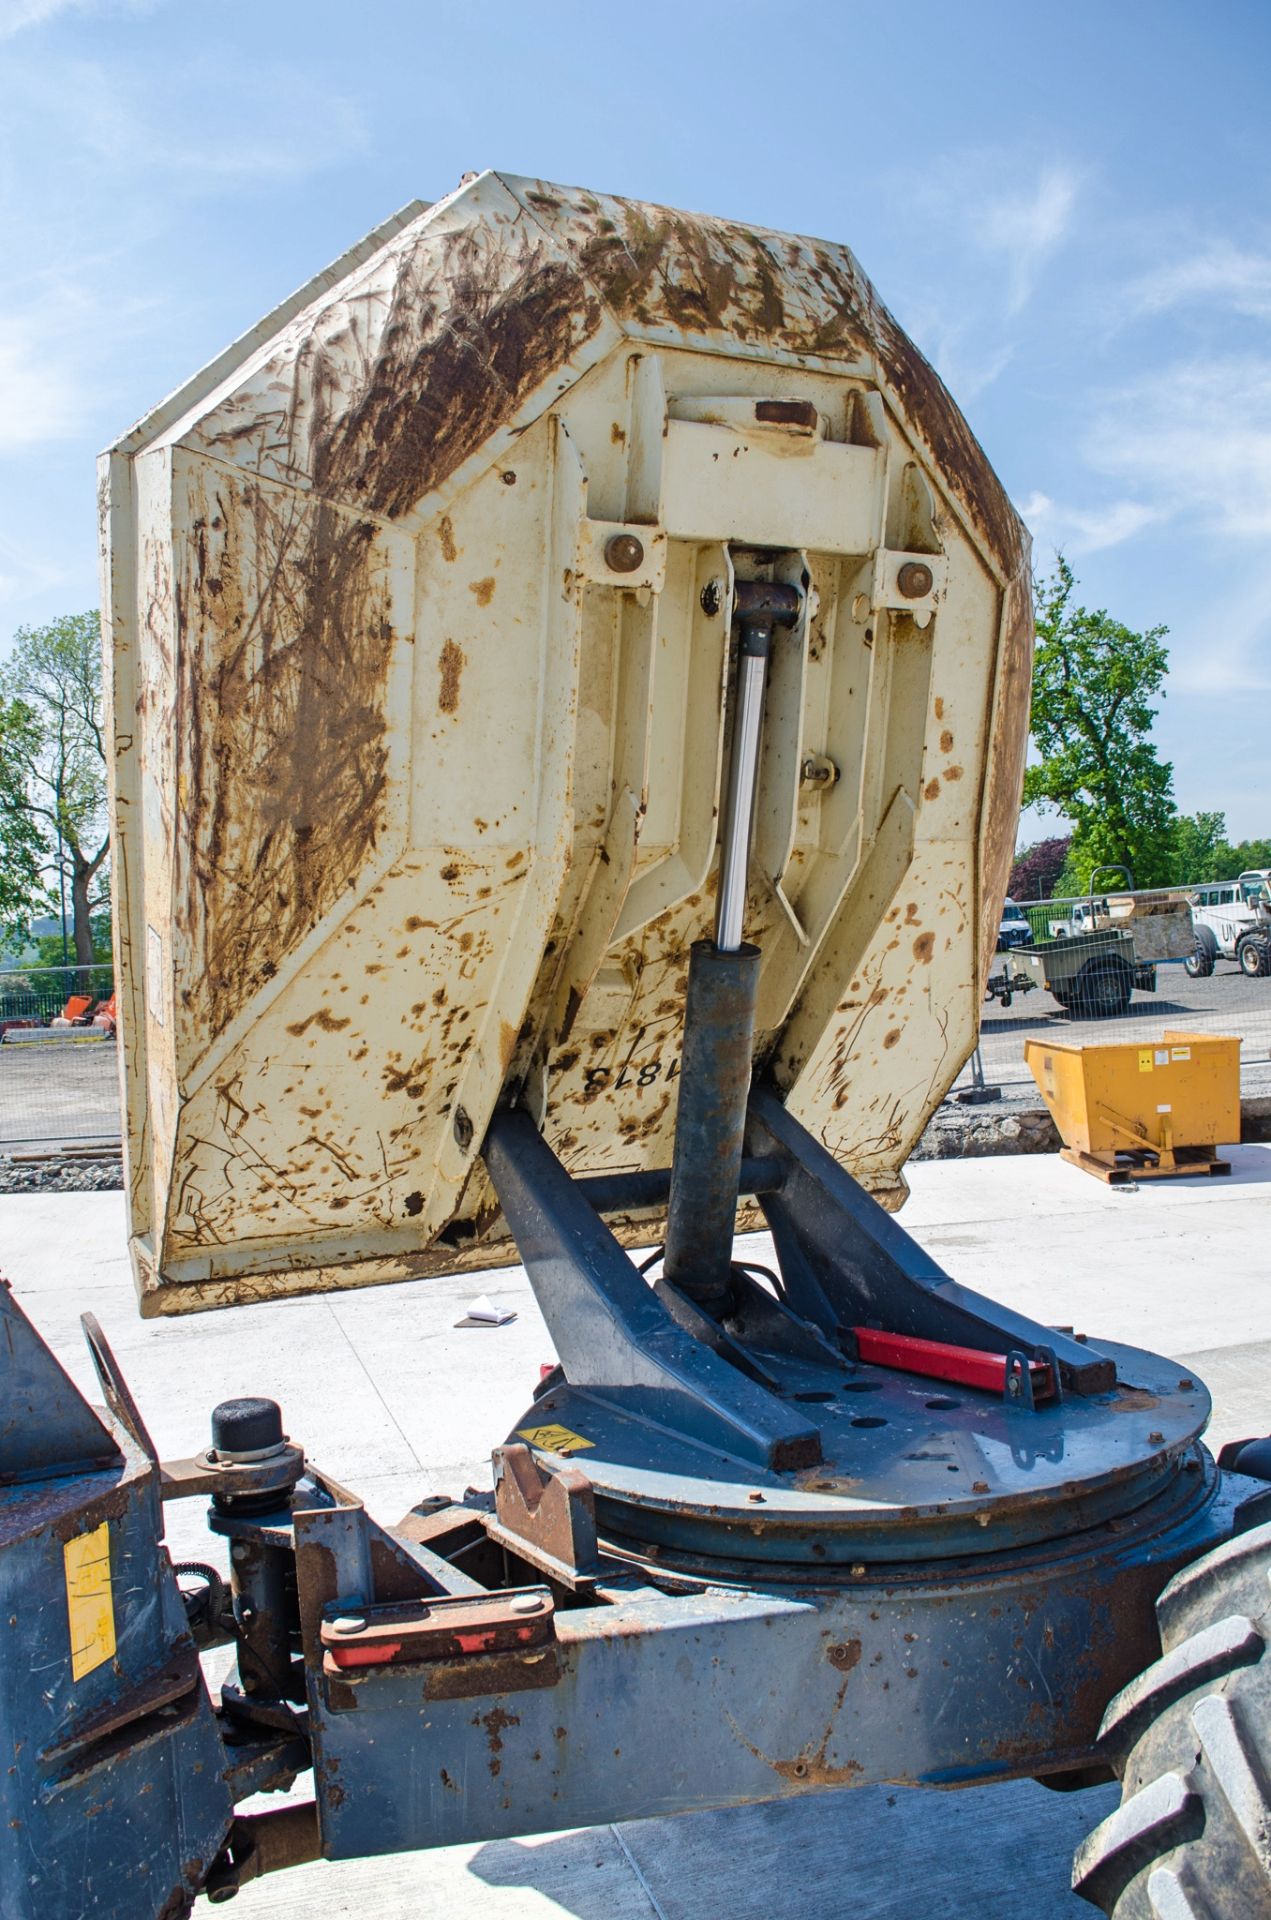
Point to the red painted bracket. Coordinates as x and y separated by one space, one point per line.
939 1360
442 1628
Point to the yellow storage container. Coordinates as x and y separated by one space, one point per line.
1142 1109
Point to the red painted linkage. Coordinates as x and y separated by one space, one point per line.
938 1360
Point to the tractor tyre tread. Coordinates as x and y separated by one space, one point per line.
1203 957
1191 1739
1260 945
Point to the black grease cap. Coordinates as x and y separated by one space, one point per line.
246 1426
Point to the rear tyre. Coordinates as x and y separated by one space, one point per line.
1199 963
1103 987
1254 955
1191 1739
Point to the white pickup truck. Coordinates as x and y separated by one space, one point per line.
1232 921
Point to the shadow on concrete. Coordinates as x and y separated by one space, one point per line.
874 1853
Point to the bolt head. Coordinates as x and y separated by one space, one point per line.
623 553
712 598
528 1603
915 580
349 1623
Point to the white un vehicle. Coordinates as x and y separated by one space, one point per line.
1232 921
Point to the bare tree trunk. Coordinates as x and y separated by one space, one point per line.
81 880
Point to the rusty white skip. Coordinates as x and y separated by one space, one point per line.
417 609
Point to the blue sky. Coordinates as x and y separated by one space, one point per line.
1067 206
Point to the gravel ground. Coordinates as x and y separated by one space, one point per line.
61 1176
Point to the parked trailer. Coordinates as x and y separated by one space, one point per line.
1090 973
570 673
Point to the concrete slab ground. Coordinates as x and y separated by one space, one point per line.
394 1400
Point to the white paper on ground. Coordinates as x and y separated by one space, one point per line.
482 1312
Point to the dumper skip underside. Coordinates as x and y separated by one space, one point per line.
419 606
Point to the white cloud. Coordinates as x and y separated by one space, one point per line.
1191 446
59 335
960 354
276 123
1082 530
24 574
1195 439
1220 274
16 15
1029 228
1229 650
40 395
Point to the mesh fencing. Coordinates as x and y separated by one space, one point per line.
32 996
59 1085
1064 936
61 1088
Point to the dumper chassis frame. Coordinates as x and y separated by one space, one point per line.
587 1643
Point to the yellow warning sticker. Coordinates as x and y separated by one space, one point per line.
554 1439
89 1606
1145 1060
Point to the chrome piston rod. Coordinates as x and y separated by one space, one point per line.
734 852
760 608
723 983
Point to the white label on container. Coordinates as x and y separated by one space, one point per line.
1181 1053
1162 1056
1165 1109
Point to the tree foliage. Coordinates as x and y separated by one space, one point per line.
1094 681
1200 847
21 847
1037 868
1203 852
53 774
48 946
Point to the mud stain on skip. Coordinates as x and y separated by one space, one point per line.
282 719
450 667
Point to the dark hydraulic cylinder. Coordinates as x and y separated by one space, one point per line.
723 983
710 1121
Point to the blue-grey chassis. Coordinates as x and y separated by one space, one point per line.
725 1560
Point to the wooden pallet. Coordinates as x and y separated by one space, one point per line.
1142 1163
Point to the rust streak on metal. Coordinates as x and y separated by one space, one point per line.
711 275
1008 747
450 667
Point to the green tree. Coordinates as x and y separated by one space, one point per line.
1200 848
21 848
1093 684
1244 855
54 776
48 946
